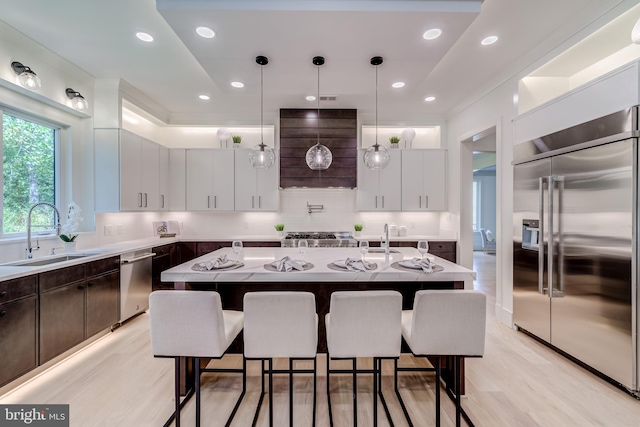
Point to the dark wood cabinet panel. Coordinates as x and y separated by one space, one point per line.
203 248
61 276
445 250
103 302
300 129
186 251
17 288
165 257
61 319
102 266
18 335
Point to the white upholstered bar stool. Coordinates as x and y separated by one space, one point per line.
363 324
445 323
281 324
193 324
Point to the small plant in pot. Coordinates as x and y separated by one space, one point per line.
358 229
237 139
394 140
70 227
280 229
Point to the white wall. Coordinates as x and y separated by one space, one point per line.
487 182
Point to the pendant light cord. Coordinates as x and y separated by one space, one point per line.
261 106
376 105
318 118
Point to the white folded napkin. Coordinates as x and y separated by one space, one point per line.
425 264
353 264
213 264
288 264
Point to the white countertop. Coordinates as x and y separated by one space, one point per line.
254 260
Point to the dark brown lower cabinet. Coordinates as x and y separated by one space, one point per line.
443 249
103 302
61 319
18 338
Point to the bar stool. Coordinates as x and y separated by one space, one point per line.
363 324
193 324
281 324
444 323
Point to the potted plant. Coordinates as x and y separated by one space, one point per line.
280 229
68 231
237 139
358 229
394 140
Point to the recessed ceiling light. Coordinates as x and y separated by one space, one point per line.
205 32
489 40
204 97
398 85
430 98
310 98
237 84
144 37
431 34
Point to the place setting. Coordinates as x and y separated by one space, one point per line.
426 264
222 262
354 264
288 264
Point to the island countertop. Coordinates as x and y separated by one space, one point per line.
254 270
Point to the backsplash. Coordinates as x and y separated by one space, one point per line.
338 214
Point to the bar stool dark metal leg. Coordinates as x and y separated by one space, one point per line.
437 390
177 392
355 394
197 374
329 391
315 381
290 392
270 392
375 392
457 374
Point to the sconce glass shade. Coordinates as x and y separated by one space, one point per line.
376 157
319 157
262 156
635 33
26 76
77 101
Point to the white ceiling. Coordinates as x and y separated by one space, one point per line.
98 36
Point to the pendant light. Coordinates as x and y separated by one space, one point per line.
319 157
376 156
262 156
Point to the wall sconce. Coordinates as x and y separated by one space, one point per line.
77 101
635 33
26 76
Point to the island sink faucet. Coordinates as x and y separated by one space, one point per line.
30 248
386 239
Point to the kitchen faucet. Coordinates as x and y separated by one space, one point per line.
386 241
30 248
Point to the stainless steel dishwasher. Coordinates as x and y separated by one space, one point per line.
135 283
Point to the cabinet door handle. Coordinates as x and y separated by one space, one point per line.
3 293
2 313
253 202
162 195
259 202
376 202
139 200
215 202
382 202
80 287
426 202
208 202
89 285
419 202
145 200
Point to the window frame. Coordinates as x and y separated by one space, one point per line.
57 144
476 203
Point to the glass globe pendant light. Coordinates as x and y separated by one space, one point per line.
319 157
262 156
376 156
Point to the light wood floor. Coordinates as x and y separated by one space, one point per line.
519 382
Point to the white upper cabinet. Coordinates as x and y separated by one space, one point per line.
177 179
164 187
209 183
423 180
255 189
379 190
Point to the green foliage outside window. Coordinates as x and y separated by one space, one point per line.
29 173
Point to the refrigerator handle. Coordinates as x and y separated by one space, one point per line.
541 182
550 240
558 290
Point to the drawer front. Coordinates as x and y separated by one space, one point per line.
62 276
163 250
102 266
442 246
17 288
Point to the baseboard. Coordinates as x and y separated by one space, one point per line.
504 316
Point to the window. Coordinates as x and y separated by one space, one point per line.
28 172
476 204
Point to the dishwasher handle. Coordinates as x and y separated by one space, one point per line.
136 259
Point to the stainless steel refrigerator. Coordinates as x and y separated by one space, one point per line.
575 245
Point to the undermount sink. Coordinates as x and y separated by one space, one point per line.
48 260
381 251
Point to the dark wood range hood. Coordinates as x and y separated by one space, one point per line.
299 132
